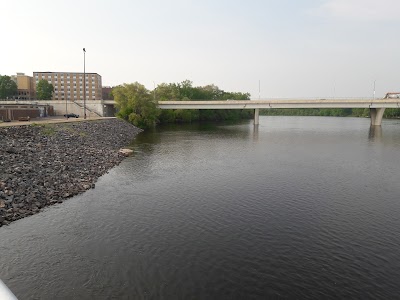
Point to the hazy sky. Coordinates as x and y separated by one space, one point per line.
295 48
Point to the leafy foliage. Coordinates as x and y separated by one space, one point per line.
44 90
185 91
8 87
392 113
333 112
136 105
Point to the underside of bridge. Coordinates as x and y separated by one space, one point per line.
376 116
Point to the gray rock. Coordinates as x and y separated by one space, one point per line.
38 169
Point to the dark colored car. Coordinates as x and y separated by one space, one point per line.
71 116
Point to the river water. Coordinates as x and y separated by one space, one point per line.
302 207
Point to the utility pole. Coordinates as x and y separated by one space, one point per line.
374 89
84 83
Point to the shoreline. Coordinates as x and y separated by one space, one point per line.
45 164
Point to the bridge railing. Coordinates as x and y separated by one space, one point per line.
313 98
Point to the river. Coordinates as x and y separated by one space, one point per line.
302 207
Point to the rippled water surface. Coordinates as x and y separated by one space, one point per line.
302 207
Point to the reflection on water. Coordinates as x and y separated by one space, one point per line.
375 133
255 133
297 207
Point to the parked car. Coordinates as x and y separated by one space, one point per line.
71 116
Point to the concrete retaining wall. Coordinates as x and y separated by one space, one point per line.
94 108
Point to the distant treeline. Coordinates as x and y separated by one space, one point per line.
185 91
333 112
139 106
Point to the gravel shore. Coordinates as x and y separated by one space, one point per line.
41 165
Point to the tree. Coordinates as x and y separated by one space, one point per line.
186 89
8 87
136 105
44 90
235 96
165 92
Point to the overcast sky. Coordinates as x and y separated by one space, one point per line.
294 48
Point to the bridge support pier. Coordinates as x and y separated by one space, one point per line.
256 115
376 116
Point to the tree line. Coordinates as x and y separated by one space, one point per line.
138 105
332 112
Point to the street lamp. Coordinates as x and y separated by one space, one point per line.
374 89
66 106
84 84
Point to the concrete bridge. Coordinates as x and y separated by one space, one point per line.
376 107
106 107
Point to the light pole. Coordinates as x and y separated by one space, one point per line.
84 84
374 89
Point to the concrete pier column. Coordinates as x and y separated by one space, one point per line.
256 115
376 116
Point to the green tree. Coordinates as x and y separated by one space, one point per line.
136 105
392 113
167 92
44 90
185 91
235 96
8 87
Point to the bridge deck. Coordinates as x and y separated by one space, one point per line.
292 103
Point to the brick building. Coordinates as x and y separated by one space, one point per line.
70 86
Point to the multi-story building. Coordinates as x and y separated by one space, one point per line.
25 86
70 86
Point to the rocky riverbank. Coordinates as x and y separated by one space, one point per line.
41 165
